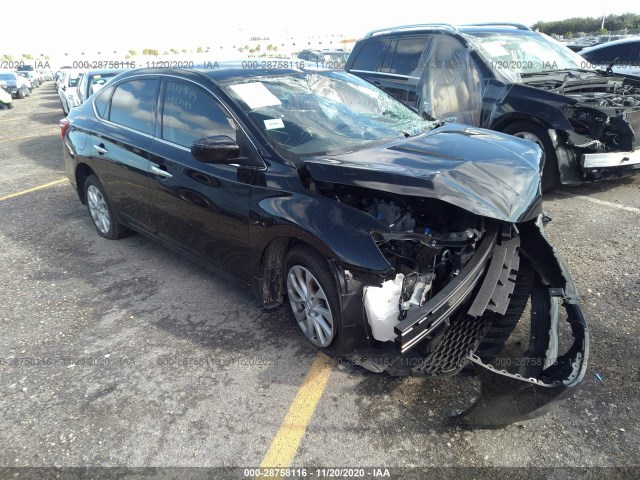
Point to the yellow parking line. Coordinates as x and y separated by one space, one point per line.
29 190
27 136
285 444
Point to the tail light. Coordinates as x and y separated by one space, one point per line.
64 126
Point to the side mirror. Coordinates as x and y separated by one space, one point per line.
216 149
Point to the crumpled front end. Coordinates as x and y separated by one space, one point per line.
464 249
461 301
545 374
605 132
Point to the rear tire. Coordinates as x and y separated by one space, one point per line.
313 296
540 136
101 211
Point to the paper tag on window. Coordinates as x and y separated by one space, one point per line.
273 123
255 95
495 49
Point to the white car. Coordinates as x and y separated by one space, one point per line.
622 55
6 98
68 89
17 84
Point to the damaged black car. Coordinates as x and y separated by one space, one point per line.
399 245
508 78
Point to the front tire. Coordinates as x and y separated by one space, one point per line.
101 212
21 93
313 296
538 135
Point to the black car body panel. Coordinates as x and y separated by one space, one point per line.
592 117
470 213
467 167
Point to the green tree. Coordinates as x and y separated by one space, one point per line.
629 21
132 53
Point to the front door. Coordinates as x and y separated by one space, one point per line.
199 207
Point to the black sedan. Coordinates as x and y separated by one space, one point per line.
400 246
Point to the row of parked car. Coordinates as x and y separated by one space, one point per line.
20 83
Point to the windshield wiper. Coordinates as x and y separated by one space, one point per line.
560 70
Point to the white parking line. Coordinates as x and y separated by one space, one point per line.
600 202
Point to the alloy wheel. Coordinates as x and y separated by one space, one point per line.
98 209
310 306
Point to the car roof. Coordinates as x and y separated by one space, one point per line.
219 72
475 28
102 71
608 44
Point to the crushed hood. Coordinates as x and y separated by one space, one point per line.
484 172
597 90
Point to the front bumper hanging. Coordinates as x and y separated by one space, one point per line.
545 377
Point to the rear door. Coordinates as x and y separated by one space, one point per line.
201 208
119 149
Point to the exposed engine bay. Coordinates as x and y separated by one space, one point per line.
606 114
430 242
611 99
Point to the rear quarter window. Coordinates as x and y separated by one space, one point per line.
101 102
370 56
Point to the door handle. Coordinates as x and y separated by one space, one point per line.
160 172
377 84
100 149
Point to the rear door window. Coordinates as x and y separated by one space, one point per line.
133 105
407 54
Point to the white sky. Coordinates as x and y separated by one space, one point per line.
53 27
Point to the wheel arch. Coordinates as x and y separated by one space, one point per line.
567 162
83 171
505 120
268 285
269 288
